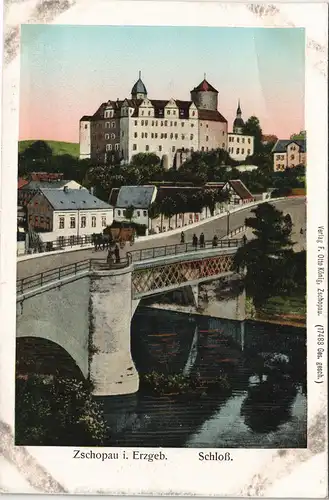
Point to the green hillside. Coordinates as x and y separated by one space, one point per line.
58 147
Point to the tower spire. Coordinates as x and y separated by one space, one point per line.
238 111
140 74
204 76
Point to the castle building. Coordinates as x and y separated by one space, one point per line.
289 154
124 128
240 145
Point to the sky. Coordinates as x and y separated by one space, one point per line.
68 71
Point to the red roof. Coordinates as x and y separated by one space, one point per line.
204 86
241 190
21 182
210 115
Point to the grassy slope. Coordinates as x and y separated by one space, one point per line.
58 147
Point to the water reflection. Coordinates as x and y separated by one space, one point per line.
267 404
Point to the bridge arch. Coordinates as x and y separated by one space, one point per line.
41 356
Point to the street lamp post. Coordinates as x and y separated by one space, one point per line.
228 222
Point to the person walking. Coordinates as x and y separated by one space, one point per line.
244 239
195 241
202 242
110 256
215 241
117 254
182 237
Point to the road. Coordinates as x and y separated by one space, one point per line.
296 207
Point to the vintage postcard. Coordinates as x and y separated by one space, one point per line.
164 249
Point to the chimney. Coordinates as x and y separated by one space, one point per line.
66 189
92 189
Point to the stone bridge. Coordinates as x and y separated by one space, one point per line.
86 308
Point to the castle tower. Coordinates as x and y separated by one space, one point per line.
205 96
238 123
139 90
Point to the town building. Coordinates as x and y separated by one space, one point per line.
289 154
61 214
140 124
28 189
133 203
239 145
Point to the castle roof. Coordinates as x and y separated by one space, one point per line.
210 115
204 86
139 87
238 122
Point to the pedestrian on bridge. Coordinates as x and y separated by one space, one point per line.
244 239
215 241
202 242
195 241
182 237
117 254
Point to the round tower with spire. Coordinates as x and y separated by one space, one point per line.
238 123
205 96
139 90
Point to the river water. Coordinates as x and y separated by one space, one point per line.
170 342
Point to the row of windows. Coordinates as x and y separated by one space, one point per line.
144 135
110 148
107 136
110 124
42 219
138 213
231 139
83 222
231 150
282 157
160 123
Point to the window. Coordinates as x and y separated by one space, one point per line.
152 135
183 123
103 220
142 135
165 136
93 221
292 157
238 139
207 125
207 138
142 113
176 136
135 134
223 133
248 141
160 148
168 112
107 125
173 149
248 151
183 137
191 137
145 135
145 213
72 240
223 145
161 124
152 123
237 151
61 223
243 140
174 112
83 221
142 122
86 126
166 123
138 213
146 122
202 149
175 124
147 147
112 136
113 124
108 147
156 123
242 151
149 113
134 147
156 135
135 123
171 124
116 147
72 222
119 212
107 136
171 136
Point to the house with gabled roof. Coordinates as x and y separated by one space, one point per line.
67 213
289 154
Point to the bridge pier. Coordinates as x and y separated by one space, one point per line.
112 369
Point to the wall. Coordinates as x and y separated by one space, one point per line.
241 143
216 132
60 315
85 139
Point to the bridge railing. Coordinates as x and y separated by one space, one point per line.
40 279
180 248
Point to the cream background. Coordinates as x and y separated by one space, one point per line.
270 473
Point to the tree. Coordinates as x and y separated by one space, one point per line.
265 257
300 136
61 412
129 213
252 127
38 150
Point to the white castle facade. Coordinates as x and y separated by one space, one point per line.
169 128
